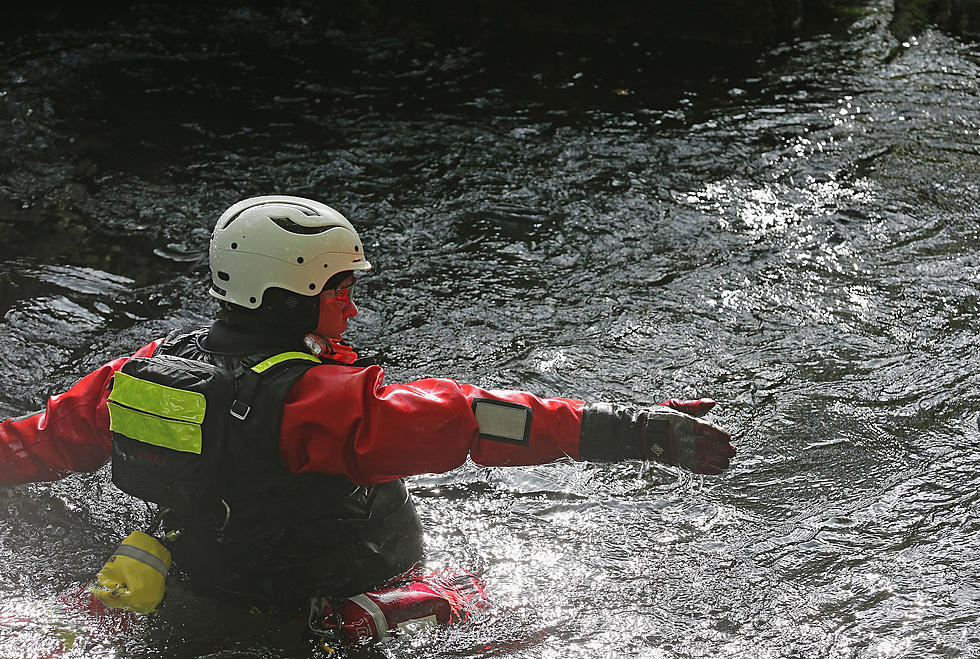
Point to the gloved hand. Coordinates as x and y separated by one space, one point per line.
669 433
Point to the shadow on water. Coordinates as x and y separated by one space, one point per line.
789 229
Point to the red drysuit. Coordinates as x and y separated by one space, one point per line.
337 420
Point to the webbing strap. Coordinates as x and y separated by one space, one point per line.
144 557
242 404
282 357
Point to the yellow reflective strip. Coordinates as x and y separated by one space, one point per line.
149 429
158 399
281 357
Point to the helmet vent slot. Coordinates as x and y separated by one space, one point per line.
292 227
302 209
223 276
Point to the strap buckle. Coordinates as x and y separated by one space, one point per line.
237 411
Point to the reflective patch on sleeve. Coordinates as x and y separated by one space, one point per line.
502 421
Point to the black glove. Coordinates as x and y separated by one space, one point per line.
613 432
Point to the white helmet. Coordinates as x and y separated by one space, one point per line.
283 242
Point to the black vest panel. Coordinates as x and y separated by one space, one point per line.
270 535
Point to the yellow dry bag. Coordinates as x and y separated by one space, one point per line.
135 576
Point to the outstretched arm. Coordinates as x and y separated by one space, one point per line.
70 435
345 420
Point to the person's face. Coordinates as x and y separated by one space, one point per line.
336 307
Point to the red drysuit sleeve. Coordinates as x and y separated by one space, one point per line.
71 434
345 420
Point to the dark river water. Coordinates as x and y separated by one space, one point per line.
793 232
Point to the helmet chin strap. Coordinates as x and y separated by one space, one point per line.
315 318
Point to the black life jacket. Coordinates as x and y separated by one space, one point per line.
197 432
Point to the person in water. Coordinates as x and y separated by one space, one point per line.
276 455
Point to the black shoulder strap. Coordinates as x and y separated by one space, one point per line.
242 404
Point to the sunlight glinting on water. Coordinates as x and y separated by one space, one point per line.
794 235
